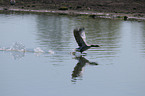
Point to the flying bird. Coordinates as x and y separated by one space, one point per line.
79 35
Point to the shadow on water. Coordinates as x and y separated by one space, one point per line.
78 69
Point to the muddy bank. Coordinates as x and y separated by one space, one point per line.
112 9
113 6
89 14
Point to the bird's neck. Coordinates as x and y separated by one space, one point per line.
94 45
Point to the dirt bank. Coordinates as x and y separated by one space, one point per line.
126 9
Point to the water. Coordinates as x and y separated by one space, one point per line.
36 57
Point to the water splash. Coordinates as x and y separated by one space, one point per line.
21 48
18 47
38 50
51 52
15 47
18 50
78 54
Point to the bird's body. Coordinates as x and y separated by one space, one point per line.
79 35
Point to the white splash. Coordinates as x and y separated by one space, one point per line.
51 52
17 47
18 50
76 54
38 50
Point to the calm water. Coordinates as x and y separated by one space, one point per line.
117 68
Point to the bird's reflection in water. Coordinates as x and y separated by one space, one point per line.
78 69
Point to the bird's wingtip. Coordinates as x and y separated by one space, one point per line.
79 29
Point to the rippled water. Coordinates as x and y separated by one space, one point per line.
47 67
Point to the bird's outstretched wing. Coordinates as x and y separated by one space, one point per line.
79 35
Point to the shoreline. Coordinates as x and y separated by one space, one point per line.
91 14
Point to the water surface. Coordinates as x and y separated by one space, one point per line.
115 69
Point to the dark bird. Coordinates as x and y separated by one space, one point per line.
79 35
